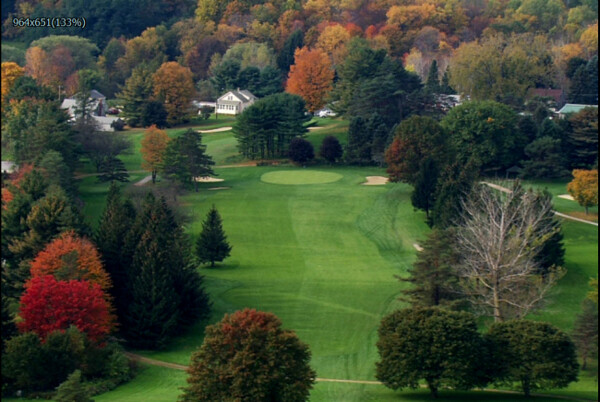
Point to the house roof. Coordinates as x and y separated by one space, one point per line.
230 102
573 108
556 94
96 95
8 166
244 96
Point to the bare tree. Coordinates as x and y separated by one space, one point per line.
500 235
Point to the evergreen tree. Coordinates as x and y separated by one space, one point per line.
153 112
185 159
116 220
445 87
425 186
455 182
432 276
331 149
112 168
137 92
73 389
286 57
432 84
301 151
212 244
360 139
585 332
584 137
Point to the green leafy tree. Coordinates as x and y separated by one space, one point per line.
153 112
301 151
486 133
266 128
545 159
212 244
432 277
441 347
249 356
537 355
73 389
331 150
186 160
416 138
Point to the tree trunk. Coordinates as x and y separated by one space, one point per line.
154 177
586 210
433 389
497 317
212 263
526 387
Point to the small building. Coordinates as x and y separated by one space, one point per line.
234 102
571 108
98 108
9 167
446 102
557 95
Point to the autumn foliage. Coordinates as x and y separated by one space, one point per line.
248 356
71 257
48 305
10 73
153 148
584 187
174 85
311 77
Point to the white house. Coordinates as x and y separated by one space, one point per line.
9 167
234 102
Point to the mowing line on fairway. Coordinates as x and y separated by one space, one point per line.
181 367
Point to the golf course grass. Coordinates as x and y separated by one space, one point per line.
321 251
296 177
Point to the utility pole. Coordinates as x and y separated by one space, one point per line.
59 87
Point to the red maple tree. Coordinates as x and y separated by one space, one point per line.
71 257
48 305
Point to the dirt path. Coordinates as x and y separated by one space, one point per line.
506 190
143 181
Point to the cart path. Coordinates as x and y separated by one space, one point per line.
216 130
506 190
181 367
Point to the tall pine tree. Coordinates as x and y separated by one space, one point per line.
212 244
432 84
115 223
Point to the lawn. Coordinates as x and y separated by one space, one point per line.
320 251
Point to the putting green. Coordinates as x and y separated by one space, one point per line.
295 177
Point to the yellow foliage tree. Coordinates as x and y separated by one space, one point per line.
174 85
584 187
10 73
333 41
311 77
589 40
154 144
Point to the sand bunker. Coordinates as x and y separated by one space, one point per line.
315 128
375 181
566 197
215 130
417 247
208 179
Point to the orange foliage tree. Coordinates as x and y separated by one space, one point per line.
37 65
174 85
311 77
10 73
153 148
71 257
333 41
584 187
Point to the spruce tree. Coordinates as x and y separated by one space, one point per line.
432 276
423 194
115 222
212 244
445 87
432 84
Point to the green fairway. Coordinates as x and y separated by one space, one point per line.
295 177
320 251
